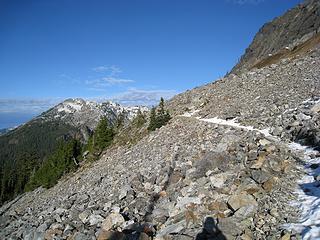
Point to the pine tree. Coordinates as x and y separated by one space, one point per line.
167 117
152 124
60 162
104 134
140 119
159 118
161 110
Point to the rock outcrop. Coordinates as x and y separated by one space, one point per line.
283 33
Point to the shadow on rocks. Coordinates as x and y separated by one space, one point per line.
210 231
115 235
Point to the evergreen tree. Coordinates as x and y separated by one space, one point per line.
104 134
159 118
140 119
153 121
62 161
167 116
161 111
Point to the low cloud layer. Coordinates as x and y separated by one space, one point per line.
142 97
131 97
109 76
108 81
33 106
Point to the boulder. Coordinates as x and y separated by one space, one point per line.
230 226
260 176
240 200
113 220
95 219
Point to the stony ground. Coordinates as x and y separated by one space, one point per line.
173 179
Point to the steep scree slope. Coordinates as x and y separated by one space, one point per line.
256 97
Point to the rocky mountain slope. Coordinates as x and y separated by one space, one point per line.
255 97
282 34
225 167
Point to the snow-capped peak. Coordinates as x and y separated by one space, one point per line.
82 113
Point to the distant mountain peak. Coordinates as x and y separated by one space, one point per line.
85 115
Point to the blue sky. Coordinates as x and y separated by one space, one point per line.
132 51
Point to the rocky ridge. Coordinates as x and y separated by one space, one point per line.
282 34
85 115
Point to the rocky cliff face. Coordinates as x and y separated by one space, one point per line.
282 34
223 168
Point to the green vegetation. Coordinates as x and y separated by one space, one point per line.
62 161
41 152
24 150
130 134
102 137
104 134
158 118
139 120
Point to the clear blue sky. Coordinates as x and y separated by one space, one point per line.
130 50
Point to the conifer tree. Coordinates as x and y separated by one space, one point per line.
161 110
139 120
104 134
159 118
152 125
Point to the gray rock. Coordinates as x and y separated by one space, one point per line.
95 219
84 216
173 228
241 200
246 211
42 228
81 236
38 236
260 176
230 226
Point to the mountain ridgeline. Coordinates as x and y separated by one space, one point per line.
282 37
